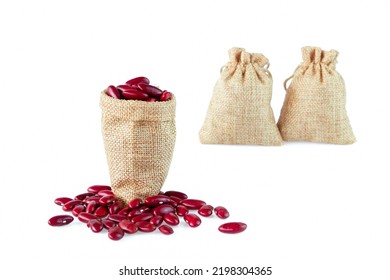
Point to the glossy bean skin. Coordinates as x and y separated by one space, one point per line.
108 199
139 210
101 211
115 207
193 204
135 203
105 192
166 95
83 196
150 90
181 210
115 233
233 227
156 220
78 209
157 200
145 226
142 217
71 204
134 94
171 219
108 223
176 199
221 212
165 229
92 198
95 225
91 207
117 218
137 81
86 217
113 92
163 209
60 220
206 210
124 87
128 227
176 194
62 200
192 220
125 211
96 188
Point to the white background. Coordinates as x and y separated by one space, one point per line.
314 211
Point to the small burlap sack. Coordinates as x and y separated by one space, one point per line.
139 139
239 111
314 105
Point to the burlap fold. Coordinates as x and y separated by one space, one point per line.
314 106
139 138
239 110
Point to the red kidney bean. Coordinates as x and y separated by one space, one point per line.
116 233
171 219
150 90
60 220
134 94
108 223
156 220
221 212
113 92
206 210
125 211
85 217
92 198
83 196
124 87
142 217
145 226
176 194
117 218
234 227
78 209
165 229
140 210
101 211
135 203
193 203
98 188
151 99
176 199
181 210
163 209
62 200
128 226
138 80
95 225
108 199
70 204
157 200
91 207
115 207
105 192
192 220
166 95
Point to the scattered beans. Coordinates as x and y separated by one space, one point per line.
165 229
221 212
60 220
233 227
206 210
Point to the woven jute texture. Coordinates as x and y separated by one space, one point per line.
139 138
314 106
239 110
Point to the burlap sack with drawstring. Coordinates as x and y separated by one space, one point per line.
139 138
314 106
239 111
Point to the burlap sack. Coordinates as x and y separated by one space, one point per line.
314 105
139 139
239 111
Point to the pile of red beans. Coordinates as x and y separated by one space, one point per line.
100 210
138 89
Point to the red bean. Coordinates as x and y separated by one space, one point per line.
108 223
128 226
116 233
83 196
113 92
105 192
137 80
176 194
125 211
101 211
86 217
134 94
157 200
115 207
181 210
108 199
92 198
150 90
95 225
60 220
98 188
156 220
151 99
163 209
206 210
117 218
165 96
192 220
62 200
142 217
91 207
124 87
171 219
70 204
138 211
135 203
165 229
176 199
221 212
234 227
193 203
78 209
145 226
